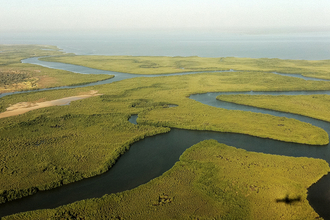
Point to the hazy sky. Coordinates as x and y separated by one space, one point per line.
33 15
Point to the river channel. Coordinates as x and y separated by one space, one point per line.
152 156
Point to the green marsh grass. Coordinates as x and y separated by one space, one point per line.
211 181
17 76
62 144
314 106
13 54
160 65
68 133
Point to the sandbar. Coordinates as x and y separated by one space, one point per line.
23 107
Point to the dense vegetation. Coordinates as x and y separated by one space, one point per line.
158 65
8 78
16 76
13 54
315 106
211 181
85 138
48 147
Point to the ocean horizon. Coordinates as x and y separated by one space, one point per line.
302 46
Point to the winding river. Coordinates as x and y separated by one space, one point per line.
152 156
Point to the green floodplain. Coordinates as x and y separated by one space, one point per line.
48 147
16 76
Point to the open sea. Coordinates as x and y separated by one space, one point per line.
306 46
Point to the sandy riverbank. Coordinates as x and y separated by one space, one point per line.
22 107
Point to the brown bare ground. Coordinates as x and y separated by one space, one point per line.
45 81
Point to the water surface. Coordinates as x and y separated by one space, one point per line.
308 46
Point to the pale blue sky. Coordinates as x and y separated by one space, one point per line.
35 15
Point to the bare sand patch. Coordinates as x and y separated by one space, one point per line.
22 107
